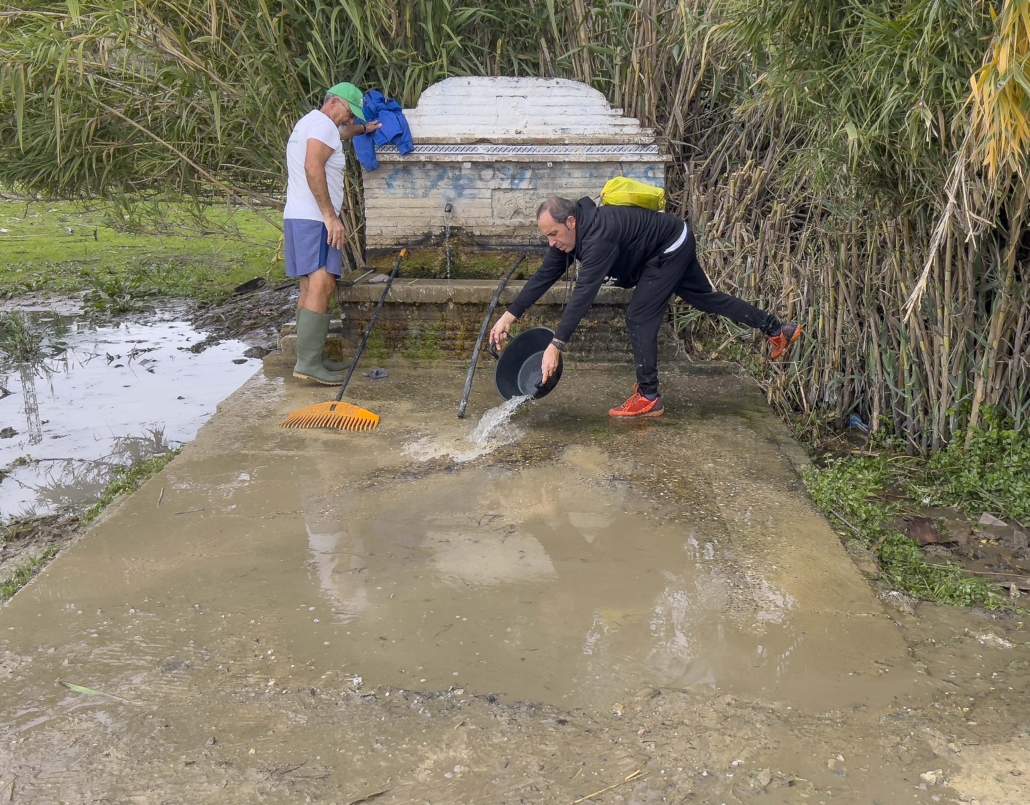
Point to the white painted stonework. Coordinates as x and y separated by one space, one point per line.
520 110
492 149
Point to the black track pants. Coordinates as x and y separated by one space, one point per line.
679 273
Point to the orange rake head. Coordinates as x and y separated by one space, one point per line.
334 415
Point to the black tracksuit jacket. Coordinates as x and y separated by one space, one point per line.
615 242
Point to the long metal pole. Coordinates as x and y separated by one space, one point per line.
463 405
371 324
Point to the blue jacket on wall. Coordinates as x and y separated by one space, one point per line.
395 129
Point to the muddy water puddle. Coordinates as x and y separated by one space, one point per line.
566 560
534 584
573 562
94 398
301 615
557 582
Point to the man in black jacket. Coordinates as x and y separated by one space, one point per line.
653 252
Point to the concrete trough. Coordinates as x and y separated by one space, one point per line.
441 319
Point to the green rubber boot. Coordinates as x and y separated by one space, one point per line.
331 365
327 362
334 366
312 329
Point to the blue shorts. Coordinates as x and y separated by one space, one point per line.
307 250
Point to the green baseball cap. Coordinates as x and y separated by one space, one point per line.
352 95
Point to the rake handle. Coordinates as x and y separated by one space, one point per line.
463 405
371 324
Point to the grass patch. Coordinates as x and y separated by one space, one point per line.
850 492
989 473
20 342
124 254
376 349
423 342
127 480
24 573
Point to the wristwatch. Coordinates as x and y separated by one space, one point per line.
561 346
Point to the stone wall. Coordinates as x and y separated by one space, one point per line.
407 202
430 319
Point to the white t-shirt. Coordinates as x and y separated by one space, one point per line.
300 201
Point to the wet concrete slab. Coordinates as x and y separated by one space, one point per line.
574 566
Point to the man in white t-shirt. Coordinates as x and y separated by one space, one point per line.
313 228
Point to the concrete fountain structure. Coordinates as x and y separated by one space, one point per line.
487 150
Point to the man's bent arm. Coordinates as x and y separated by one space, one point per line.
555 264
595 265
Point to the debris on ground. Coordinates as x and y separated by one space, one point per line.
254 316
924 531
993 641
988 520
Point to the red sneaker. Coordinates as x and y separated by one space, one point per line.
638 405
781 343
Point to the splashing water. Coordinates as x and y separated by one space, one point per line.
493 430
496 418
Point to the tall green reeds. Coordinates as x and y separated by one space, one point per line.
857 164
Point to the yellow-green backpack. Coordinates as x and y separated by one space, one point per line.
624 192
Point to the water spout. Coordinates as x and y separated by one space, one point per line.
448 209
